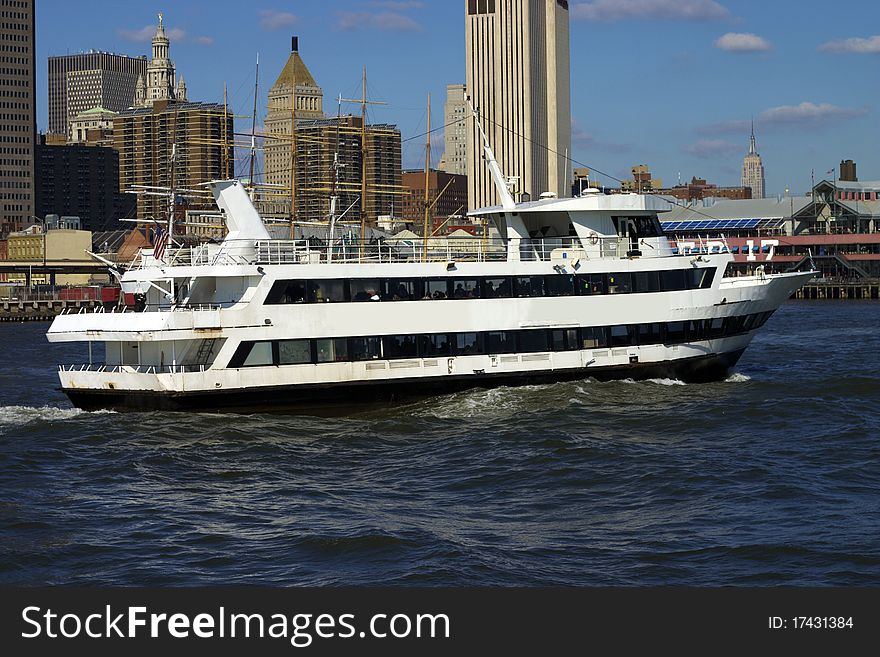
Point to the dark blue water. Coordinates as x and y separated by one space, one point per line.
772 477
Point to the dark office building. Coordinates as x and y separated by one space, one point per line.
82 181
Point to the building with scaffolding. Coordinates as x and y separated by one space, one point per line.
199 136
329 160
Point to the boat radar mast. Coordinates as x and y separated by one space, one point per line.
507 201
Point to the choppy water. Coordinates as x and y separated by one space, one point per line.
772 477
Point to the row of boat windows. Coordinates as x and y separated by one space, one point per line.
558 285
395 347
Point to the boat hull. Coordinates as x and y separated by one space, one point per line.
339 398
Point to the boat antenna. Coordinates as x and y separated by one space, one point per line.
507 201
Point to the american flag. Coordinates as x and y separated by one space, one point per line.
159 244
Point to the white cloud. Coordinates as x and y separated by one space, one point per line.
588 141
618 10
397 5
146 34
856 45
707 149
174 34
388 21
272 20
742 42
806 114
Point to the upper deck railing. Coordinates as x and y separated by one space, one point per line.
289 252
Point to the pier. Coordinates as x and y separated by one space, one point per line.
846 291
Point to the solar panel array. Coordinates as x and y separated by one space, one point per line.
710 224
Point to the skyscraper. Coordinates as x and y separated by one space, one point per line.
454 158
87 80
17 118
518 76
294 79
753 169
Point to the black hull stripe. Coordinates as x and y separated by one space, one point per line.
351 397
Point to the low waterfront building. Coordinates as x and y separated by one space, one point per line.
447 196
39 246
642 180
836 227
698 189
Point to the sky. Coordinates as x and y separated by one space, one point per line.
672 84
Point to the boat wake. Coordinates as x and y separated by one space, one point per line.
738 378
19 415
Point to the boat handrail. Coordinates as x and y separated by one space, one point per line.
411 250
133 369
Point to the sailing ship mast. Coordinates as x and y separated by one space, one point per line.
363 102
427 229
254 126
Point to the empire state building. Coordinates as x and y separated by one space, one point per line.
753 169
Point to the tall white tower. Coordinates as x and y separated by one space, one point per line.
519 78
753 169
160 71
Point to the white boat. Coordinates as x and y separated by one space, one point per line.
570 289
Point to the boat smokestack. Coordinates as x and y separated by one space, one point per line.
294 44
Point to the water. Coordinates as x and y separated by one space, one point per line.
771 477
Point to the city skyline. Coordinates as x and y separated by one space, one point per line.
677 95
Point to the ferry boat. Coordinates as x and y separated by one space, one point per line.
570 289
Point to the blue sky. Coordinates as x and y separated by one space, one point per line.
668 83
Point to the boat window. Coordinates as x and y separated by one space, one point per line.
564 340
531 341
294 352
673 280
400 346
284 292
619 283
530 286
590 284
735 325
698 329
500 342
638 227
623 336
676 332
646 281
594 337
364 348
327 291
437 289
650 334
332 350
716 327
701 279
560 286
465 288
497 288
260 354
401 289
435 345
364 289
467 344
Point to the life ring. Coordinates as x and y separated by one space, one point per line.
594 238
